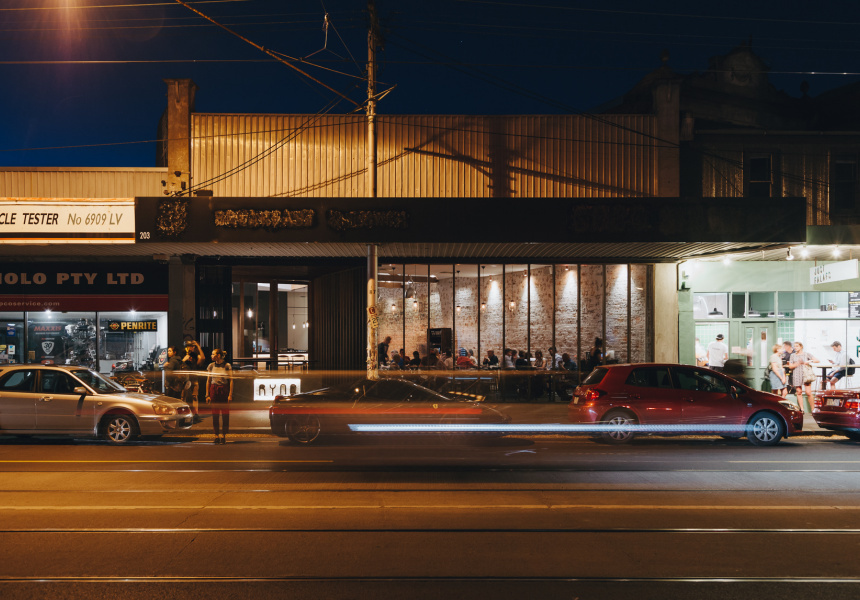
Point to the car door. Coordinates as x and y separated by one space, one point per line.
18 400
650 392
58 407
706 397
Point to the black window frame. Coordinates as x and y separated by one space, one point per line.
844 192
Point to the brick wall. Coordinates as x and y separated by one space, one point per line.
530 296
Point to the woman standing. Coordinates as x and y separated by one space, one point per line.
219 394
776 374
801 377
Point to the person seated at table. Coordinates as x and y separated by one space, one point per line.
491 360
839 362
416 359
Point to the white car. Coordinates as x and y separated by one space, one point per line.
77 402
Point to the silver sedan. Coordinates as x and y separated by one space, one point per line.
77 402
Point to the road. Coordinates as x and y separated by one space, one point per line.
393 517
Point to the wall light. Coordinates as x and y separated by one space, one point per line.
483 306
513 305
250 313
836 252
393 306
458 308
790 256
804 252
727 261
415 304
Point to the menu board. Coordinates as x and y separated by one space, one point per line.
854 305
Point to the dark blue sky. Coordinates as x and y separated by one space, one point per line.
445 56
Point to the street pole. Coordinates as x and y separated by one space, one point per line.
372 251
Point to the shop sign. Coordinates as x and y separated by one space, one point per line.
67 221
146 325
854 305
838 271
267 389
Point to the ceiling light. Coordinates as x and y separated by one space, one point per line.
715 313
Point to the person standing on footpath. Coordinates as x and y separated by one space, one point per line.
173 383
801 377
718 353
219 393
776 374
192 361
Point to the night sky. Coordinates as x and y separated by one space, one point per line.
82 80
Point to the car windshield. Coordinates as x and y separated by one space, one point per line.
98 382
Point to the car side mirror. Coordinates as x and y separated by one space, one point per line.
80 391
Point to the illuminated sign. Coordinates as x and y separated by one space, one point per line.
265 390
67 221
147 325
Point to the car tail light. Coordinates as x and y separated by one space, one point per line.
592 395
818 401
852 404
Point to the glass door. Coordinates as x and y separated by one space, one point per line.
758 339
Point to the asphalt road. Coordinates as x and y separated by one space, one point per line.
394 517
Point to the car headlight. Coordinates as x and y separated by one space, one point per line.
163 409
789 405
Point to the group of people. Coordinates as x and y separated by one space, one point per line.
218 383
466 359
789 367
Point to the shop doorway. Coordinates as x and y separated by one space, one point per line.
757 337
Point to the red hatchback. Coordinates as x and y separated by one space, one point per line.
838 410
623 401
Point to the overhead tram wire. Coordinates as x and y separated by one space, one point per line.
267 51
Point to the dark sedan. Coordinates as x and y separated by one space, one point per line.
628 400
390 404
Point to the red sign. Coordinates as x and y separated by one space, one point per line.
84 302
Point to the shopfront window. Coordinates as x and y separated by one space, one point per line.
710 306
63 338
11 337
133 339
814 305
529 307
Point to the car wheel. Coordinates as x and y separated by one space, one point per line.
303 429
119 429
621 420
765 430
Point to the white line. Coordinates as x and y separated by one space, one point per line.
185 507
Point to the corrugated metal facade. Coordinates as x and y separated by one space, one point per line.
803 170
74 182
425 156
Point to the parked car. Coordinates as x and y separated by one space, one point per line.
304 417
838 410
664 399
78 402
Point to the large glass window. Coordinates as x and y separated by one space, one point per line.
813 305
133 338
62 338
492 310
710 306
11 337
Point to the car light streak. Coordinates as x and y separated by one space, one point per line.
544 427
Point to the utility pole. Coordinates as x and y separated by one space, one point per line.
372 251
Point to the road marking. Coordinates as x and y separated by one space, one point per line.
756 507
226 460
